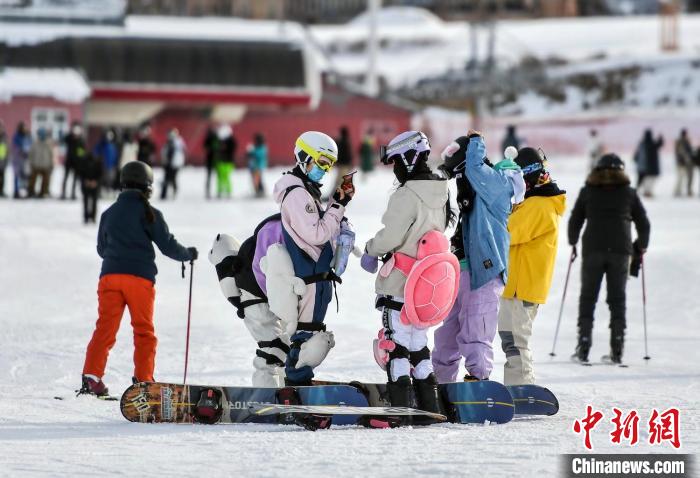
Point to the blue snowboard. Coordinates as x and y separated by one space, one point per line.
533 400
466 402
479 402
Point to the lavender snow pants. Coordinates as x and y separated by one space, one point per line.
468 331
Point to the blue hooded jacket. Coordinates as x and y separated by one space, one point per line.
485 230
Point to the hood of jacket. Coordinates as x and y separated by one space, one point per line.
433 193
607 177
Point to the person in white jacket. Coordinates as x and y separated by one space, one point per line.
420 204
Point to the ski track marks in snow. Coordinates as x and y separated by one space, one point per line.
49 280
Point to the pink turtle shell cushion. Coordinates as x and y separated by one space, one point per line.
432 281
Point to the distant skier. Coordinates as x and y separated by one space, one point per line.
41 161
21 144
90 173
485 195
420 205
75 153
534 231
685 164
172 154
309 233
608 205
224 148
257 163
646 157
127 229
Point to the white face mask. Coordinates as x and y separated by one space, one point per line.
77 130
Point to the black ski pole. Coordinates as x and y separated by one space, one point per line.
189 317
563 297
644 309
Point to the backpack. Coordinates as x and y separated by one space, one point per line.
432 280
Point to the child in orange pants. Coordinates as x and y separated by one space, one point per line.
124 241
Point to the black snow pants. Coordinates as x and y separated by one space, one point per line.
615 268
90 196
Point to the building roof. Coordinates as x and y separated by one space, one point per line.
174 59
62 84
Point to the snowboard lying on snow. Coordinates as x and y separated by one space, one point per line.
464 402
479 401
176 403
348 403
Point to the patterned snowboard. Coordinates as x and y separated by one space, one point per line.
175 403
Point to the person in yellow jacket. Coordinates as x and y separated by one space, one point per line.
534 230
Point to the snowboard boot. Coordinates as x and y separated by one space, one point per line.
400 396
583 347
617 342
427 398
209 408
470 378
93 386
309 421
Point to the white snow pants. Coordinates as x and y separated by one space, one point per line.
515 319
411 337
266 328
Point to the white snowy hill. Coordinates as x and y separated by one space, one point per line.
48 283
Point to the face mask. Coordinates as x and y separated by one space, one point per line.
316 174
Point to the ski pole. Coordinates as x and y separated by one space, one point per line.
189 317
563 296
644 309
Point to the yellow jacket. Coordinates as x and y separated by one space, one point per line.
534 232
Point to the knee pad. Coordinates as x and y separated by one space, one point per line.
313 351
382 347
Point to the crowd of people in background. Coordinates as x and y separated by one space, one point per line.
30 156
647 160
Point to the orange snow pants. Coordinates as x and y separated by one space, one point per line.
114 293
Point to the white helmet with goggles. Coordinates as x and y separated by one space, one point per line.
317 147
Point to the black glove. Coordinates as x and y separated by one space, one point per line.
574 252
343 202
193 253
636 262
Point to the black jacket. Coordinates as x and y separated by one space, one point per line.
609 205
125 237
75 150
91 169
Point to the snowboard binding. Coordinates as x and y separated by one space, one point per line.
308 421
208 409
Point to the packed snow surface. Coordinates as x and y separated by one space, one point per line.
48 283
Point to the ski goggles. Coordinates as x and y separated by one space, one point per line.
418 142
323 159
531 168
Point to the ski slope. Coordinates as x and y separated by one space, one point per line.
48 283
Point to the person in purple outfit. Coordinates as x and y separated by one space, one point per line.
485 194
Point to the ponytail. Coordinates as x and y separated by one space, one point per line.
150 215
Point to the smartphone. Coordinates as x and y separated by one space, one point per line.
347 185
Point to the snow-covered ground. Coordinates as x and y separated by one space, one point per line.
48 283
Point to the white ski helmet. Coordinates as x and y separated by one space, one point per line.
311 145
415 141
